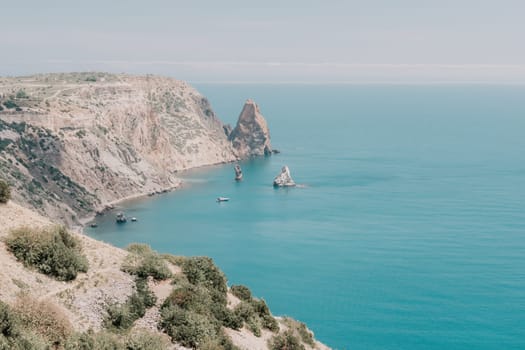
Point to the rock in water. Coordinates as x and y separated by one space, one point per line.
284 179
238 172
251 136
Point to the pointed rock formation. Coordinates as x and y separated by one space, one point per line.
238 172
251 136
284 179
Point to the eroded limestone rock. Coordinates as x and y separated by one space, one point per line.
284 179
251 136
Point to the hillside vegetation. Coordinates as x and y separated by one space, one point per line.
134 299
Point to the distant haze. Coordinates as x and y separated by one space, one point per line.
374 41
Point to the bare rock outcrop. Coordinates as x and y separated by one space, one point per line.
238 172
284 179
251 136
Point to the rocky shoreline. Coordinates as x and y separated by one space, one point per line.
75 143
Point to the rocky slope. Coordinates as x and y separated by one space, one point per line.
83 301
70 142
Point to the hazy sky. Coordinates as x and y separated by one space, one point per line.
279 41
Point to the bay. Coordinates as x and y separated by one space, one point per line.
409 232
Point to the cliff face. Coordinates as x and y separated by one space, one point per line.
251 136
69 142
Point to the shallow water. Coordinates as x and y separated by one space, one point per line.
408 234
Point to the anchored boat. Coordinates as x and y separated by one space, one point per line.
121 218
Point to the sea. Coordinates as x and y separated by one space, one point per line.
408 229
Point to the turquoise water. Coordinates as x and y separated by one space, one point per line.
408 234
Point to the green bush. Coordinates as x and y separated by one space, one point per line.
269 322
202 270
241 292
8 322
285 341
21 94
144 262
256 314
193 314
5 192
121 317
191 298
244 310
254 325
300 330
53 251
144 340
226 317
222 343
10 104
140 340
263 311
94 341
187 327
174 259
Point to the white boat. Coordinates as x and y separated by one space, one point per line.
133 219
223 199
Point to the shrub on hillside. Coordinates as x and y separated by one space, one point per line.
241 292
144 340
193 315
226 317
202 270
13 336
10 104
44 318
52 251
285 341
121 317
300 328
94 341
8 321
187 327
256 314
139 340
144 262
176 260
5 192
222 343
22 94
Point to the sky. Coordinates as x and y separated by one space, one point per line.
421 41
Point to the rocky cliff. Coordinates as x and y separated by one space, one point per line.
69 142
251 136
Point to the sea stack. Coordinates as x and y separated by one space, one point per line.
251 136
238 172
284 179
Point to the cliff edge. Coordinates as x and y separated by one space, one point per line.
71 142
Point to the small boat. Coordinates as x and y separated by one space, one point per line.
133 219
121 218
223 199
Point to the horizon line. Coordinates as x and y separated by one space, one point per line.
272 63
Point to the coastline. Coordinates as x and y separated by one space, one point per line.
105 207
